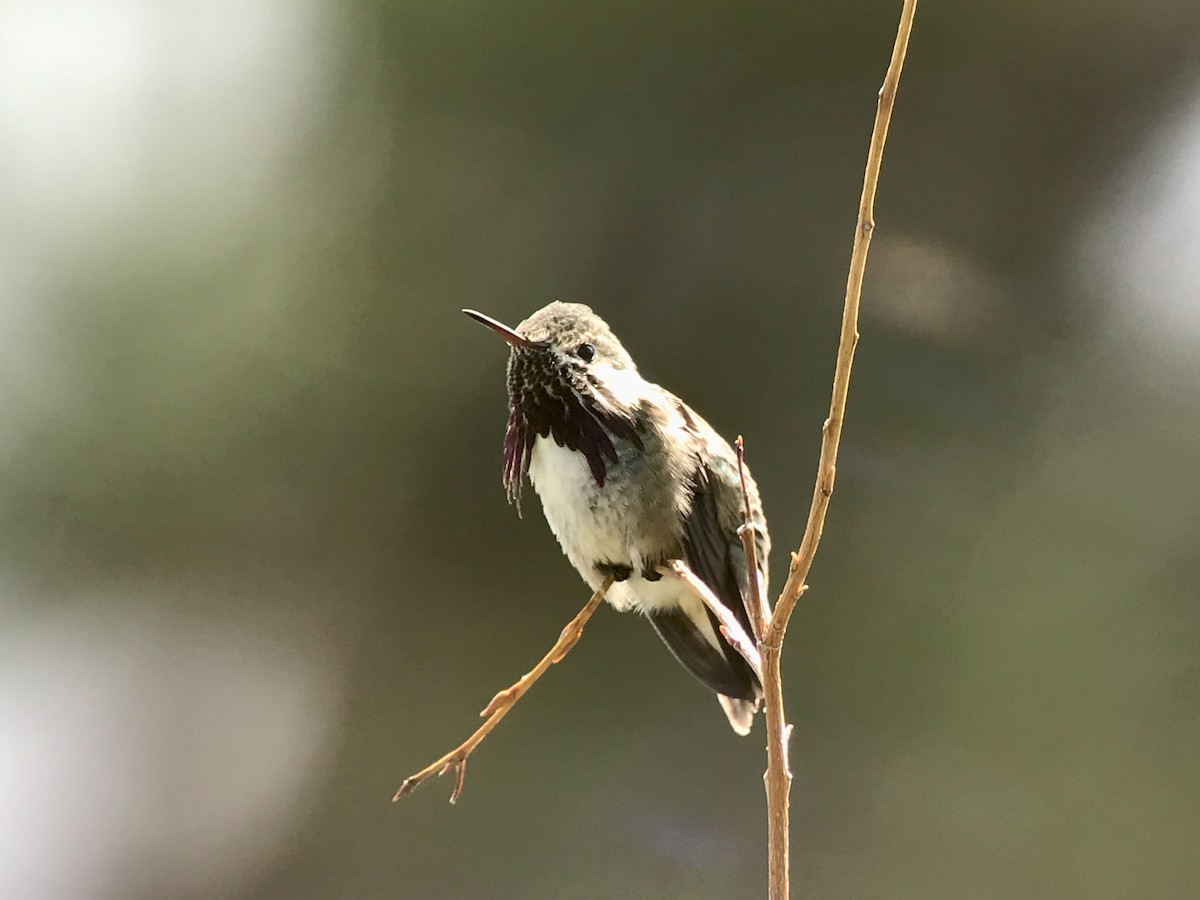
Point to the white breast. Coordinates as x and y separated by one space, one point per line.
590 531
569 497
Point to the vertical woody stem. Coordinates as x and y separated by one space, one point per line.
779 777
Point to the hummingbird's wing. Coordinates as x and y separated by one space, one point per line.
710 544
691 642
693 634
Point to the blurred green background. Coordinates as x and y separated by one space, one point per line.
256 565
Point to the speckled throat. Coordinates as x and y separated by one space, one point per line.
549 396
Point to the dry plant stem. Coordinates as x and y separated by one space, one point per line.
778 777
731 629
758 606
505 700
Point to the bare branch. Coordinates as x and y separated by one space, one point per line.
757 607
778 776
505 700
731 629
831 433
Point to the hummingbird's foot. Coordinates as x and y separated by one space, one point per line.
651 573
616 571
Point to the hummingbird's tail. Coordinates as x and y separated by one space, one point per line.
740 712
691 633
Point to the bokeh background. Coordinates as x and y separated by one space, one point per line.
256 564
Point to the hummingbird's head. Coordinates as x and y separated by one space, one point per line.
562 338
569 378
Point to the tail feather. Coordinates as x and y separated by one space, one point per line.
740 712
694 641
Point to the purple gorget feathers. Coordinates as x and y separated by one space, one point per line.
553 396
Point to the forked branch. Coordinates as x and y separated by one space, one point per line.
505 700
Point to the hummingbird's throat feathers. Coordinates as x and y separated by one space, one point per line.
585 408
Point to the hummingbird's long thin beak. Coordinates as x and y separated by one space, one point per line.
501 329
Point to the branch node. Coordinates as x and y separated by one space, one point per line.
830 478
503 697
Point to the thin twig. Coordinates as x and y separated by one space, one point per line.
731 629
505 700
832 431
759 614
778 777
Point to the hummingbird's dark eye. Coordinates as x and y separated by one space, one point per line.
586 352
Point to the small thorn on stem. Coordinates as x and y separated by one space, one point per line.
459 779
502 698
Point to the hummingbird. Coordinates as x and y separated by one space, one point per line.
631 477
